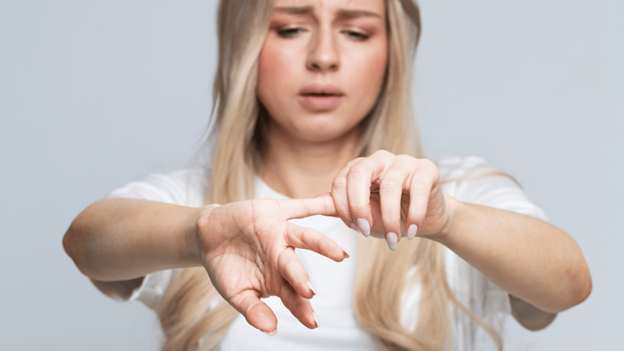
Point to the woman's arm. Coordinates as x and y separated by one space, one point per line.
529 258
393 196
117 240
247 248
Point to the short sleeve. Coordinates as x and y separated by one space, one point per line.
153 288
471 179
184 188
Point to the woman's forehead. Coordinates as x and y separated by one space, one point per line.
336 5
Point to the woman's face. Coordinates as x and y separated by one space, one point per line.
322 65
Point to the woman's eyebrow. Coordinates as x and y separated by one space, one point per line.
357 13
295 10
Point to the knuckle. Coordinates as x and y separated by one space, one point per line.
358 170
383 153
390 185
354 161
403 159
339 183
289 265
420 187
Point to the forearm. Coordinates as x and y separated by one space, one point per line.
526 257
122 239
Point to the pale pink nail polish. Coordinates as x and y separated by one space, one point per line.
355 227
411 231
393 240
273 333
364 226
316 319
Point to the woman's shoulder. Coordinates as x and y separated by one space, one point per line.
183 187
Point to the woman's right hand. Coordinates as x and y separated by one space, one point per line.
248 250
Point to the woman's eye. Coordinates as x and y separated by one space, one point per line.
289 32
357 36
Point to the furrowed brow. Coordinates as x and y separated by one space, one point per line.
357 13
294 10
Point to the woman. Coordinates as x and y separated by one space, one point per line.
313 118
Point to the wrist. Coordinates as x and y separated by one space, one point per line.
453 208
190 249
196 245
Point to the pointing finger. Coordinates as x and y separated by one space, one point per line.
301 208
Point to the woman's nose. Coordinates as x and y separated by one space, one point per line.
323 55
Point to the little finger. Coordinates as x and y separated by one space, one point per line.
299 306
256 312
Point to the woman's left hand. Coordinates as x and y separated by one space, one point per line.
387 195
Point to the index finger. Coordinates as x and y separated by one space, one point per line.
301 208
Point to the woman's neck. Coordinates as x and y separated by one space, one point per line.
302 169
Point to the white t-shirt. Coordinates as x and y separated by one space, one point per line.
339 329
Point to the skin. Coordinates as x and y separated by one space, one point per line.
116 242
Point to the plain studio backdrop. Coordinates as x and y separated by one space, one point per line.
96 94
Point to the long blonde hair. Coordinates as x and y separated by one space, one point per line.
188 320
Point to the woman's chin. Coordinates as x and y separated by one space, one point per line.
322 135
322 130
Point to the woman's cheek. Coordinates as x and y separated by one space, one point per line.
367 75
276 74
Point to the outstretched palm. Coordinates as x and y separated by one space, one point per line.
248 251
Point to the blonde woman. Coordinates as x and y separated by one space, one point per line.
332 224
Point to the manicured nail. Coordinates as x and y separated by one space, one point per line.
271 333
411 231
355 227
345 252
364 226
316 320
311 287
393 240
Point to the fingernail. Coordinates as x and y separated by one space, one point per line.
411 231
392 240
355 227
345 251
271 333
364 226
311 287
316 320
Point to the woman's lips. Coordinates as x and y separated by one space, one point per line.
320 98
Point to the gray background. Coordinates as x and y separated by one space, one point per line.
96 94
